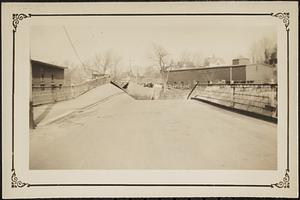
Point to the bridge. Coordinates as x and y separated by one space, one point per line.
116 131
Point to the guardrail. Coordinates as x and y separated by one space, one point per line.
50 94
255 98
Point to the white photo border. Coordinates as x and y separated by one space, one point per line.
17 18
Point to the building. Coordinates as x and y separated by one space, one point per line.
52 83
241 61
46 75
240 72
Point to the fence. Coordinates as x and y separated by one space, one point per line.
50 94
255 98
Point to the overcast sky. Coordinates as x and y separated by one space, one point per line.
132 38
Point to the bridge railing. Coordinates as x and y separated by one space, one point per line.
54 93
256 98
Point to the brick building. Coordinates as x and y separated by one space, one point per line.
50 84
47 75
240 72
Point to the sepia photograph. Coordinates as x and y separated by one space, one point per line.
153 93
149 100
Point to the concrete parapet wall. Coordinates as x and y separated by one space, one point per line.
43 95
256 98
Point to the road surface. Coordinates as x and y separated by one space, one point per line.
123 133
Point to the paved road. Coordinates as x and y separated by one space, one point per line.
123 133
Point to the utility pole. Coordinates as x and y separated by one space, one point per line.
130 65
168 73
137 73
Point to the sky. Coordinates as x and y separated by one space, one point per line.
133 39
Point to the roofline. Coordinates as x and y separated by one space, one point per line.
202 68
216 67
267 65
48 64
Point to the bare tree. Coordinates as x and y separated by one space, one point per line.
213 61
160 55
116 59
197 59
190 59
107 61
151 72
98 62
261 50
186 57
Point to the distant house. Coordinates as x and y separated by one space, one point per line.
241 61
239 72
47 75
213 61
183 65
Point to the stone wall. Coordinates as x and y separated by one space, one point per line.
255 98
43 95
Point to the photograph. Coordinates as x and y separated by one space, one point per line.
153 93
149 100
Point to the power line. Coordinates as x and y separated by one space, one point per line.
73 47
